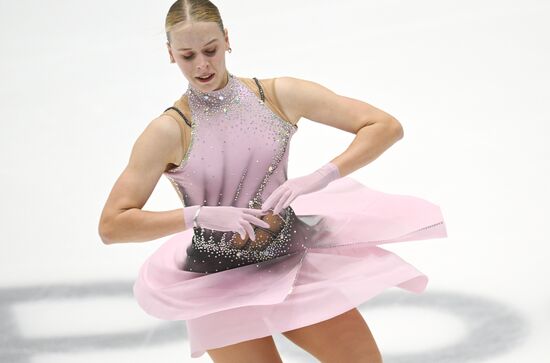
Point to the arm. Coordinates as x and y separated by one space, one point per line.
122 219
376 130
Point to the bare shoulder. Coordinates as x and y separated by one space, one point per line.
297 93
165 128
285 89
279 89
267 85
316 102
159 142
290 92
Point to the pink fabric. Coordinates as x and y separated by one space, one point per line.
189 214
228 218
293 188
340 226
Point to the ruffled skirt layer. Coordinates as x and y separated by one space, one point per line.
340 268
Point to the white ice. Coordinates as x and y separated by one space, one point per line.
468 80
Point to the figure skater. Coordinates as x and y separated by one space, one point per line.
254 253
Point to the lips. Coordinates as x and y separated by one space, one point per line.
205 79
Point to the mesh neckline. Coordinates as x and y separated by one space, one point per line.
215 97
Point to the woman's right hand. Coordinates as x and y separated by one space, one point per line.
229 218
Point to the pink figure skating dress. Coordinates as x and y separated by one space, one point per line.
324 260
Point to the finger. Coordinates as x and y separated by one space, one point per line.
249 230
253 211
281 202
274 197
288 200
267 203
257 221
240 230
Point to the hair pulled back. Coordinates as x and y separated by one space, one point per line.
183 11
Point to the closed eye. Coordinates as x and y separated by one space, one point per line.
208 52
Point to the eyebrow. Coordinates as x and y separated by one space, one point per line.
212 40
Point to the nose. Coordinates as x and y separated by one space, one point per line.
202 64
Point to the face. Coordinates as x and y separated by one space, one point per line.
199 49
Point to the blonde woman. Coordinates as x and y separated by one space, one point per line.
248 258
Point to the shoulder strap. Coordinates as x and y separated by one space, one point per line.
175 113
180 113
260 88
272 97
267 94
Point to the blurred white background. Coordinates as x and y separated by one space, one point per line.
468 81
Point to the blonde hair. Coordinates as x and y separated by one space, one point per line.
191 10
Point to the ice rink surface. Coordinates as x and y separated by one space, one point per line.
467 80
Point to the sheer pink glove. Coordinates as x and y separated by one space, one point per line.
225 218
292 188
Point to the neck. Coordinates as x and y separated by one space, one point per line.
217 97
226 80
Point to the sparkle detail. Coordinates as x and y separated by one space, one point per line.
227 143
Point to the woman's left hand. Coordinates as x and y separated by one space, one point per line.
292 188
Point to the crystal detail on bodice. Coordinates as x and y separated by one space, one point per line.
237 154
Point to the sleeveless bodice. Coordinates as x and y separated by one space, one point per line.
237 156
238 151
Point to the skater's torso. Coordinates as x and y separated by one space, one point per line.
236 154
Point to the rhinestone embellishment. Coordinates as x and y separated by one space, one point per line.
236 148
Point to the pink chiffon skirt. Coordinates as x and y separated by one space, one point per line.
341 268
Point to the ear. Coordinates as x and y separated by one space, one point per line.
226 37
